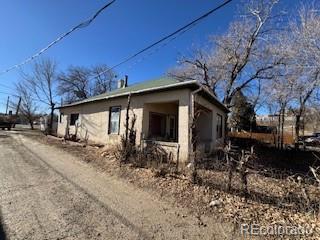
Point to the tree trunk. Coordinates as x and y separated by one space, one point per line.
303 125
278 130
126 149
127 120
282 127
31 124
297 131
51 119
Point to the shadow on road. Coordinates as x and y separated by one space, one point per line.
2 231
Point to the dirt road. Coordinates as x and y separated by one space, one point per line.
48 194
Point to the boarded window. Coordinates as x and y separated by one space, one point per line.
157 125
61 116
219 126
73 118
114 120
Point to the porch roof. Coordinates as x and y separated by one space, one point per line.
148 86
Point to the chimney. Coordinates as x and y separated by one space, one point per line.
120 83
123 83
126 81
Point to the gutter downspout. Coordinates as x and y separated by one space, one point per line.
192 95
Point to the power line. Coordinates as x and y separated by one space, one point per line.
18 96
158 48
183 29
170 37
80 25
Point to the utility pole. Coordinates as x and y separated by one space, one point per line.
7 105
18 107
17 111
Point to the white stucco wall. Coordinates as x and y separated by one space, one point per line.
214 111
94 117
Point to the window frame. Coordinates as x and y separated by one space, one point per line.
175 127
219 131
61 115
71 122
119 120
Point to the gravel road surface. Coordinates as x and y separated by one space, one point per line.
47 193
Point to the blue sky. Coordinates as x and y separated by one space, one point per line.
121 30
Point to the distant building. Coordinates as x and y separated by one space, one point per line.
272 119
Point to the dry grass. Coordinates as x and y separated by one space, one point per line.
268 138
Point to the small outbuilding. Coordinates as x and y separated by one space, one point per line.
165 110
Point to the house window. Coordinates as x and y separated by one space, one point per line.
157 125
114 120
219 126
73 118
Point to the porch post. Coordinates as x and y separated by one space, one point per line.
183 129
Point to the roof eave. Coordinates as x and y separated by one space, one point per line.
180 84
214 98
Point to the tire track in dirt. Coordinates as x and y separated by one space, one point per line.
75 213
122 219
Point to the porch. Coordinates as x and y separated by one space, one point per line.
168 126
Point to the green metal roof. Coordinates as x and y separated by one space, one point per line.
136 88
161 82
146 86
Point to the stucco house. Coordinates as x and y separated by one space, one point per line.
164 110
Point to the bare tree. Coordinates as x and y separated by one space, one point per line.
297 81
197 67
75 84
79 83
105 79
306 53
239 57
41 82
28 105
259 58
279 92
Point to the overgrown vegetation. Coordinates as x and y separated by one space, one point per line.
147 154
240 180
